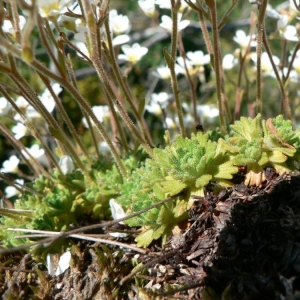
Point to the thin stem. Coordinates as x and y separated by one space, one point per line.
34 133
227 13
32 163
203 26
260 33
171 63
217 63
97 63
192 86
242 61
71 73
41 23
285 99
78 97
123 84
85 228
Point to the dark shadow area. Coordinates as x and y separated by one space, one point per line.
243 243
258 252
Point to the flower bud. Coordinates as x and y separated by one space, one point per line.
66 164
27 54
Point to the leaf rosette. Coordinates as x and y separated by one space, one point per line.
257 143
180 170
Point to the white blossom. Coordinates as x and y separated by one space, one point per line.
102 112
286 31
8 26
5 106
117 213
207 112
52 8
132 53
63 263
229 62
11 191
62 266
66 164
164 72
19 130
118 23
148 7
167 23
36 152
11 165
266 66
243 40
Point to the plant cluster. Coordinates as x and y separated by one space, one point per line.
180 171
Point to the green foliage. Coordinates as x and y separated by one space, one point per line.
64 201
257 143
180 170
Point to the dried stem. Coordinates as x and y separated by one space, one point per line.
217 63
260 33
171 59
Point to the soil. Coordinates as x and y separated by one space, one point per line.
242 243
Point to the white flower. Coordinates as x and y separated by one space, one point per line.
157 103
102 112
243 40
266 66
165 4
19 130
11 165
198 58
194 62
5 106
67 22
148 7
36 152
117 213
170 123
120 39
229 61
81 31
11 191
296 62
103 148
118 23
8 27
162 99
50 264
163 72
63 263
286 31
21 102
167 23
133 54
32 113
47 99
52 8
207 112
83 48
66 164
181 66
154 109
